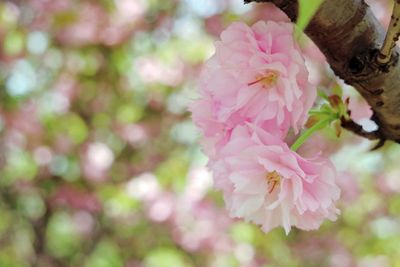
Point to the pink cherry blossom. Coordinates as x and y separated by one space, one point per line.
256 75
265 182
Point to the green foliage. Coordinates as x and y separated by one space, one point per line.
61 238
106 254
166 257
14 43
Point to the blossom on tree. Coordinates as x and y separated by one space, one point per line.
256 75
253 90
265 182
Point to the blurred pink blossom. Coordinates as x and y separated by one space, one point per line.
84 222
67 86
198 183
152 70
374 261
144 187
214 25
91 22
388 182
196 222
200 225
134 134
76 198
349 186
25 119
43 155
97 160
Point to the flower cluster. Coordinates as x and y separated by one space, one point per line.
253 91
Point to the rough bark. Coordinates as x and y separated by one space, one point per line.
350 36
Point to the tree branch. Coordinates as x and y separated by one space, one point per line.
351 37
392 35
357 129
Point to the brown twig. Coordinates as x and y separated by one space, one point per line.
392 35
357 129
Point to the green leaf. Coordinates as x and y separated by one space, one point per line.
307 10
322 94
337 90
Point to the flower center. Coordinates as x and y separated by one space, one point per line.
267 80
273 180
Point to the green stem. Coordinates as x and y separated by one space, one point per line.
305 135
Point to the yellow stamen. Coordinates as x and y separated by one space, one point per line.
267 80
273 180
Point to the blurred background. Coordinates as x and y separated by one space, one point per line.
100 164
